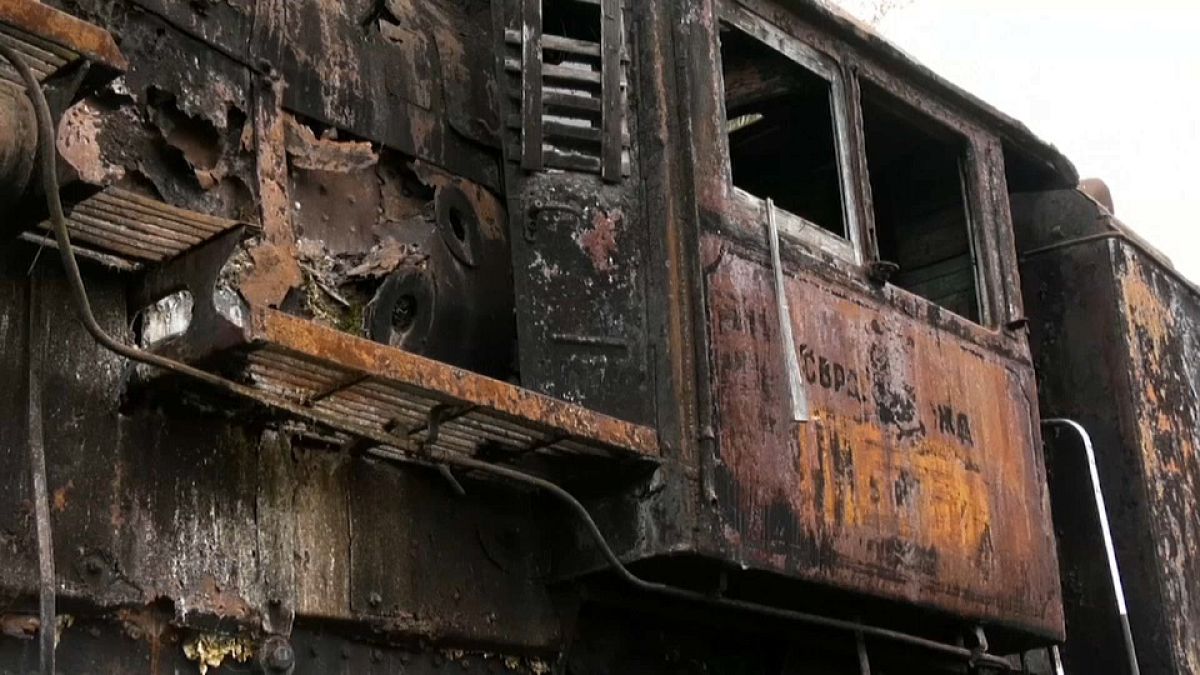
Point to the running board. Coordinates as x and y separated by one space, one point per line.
50 40
127 231
349 383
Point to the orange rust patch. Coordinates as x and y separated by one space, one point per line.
276 270
223 603
918 478
600 242
325 153
61 496
75 34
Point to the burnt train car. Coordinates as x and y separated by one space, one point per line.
574 336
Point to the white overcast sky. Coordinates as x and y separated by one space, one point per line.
1115 84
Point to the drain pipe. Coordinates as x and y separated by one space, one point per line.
1102 513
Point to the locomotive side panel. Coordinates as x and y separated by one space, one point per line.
1161 325
918 477
1116 337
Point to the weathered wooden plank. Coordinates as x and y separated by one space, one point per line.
559 43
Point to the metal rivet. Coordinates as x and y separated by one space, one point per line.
281 657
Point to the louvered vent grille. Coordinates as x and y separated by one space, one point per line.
568 88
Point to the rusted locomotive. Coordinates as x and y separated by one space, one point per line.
573 336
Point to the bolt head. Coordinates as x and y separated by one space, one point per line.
281 657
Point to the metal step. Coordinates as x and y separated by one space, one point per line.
128 231
350 384
49 40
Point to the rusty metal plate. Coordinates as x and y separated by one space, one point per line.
410 76
1160 321
381 387
920 476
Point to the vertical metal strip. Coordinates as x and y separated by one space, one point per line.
864 659
531 85
791 361
41 496
612 42
1056 661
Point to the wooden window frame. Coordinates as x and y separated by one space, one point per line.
848 248
859 248
981 237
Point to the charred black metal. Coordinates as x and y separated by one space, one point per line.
40 494
500 239
1114 331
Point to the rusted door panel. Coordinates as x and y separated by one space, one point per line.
578 264
920 477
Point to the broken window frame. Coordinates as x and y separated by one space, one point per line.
972 171
859 248
848 248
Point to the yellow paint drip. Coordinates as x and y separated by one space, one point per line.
211 650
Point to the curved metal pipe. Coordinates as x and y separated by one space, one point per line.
1106 533
75 278
614 562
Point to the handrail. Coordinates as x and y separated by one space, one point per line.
1106 533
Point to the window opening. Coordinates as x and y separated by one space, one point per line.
782 131
573 19
922 217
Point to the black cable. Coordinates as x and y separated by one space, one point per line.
58 223
629 577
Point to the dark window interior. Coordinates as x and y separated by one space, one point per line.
567 124
573 19
921 214
781 131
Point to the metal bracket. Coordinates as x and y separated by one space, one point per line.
540 207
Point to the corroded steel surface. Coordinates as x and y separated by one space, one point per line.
353 136
283 332
1161 326
919 477
1116 336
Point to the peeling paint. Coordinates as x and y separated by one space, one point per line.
78 142
210 650
600 242
326 153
